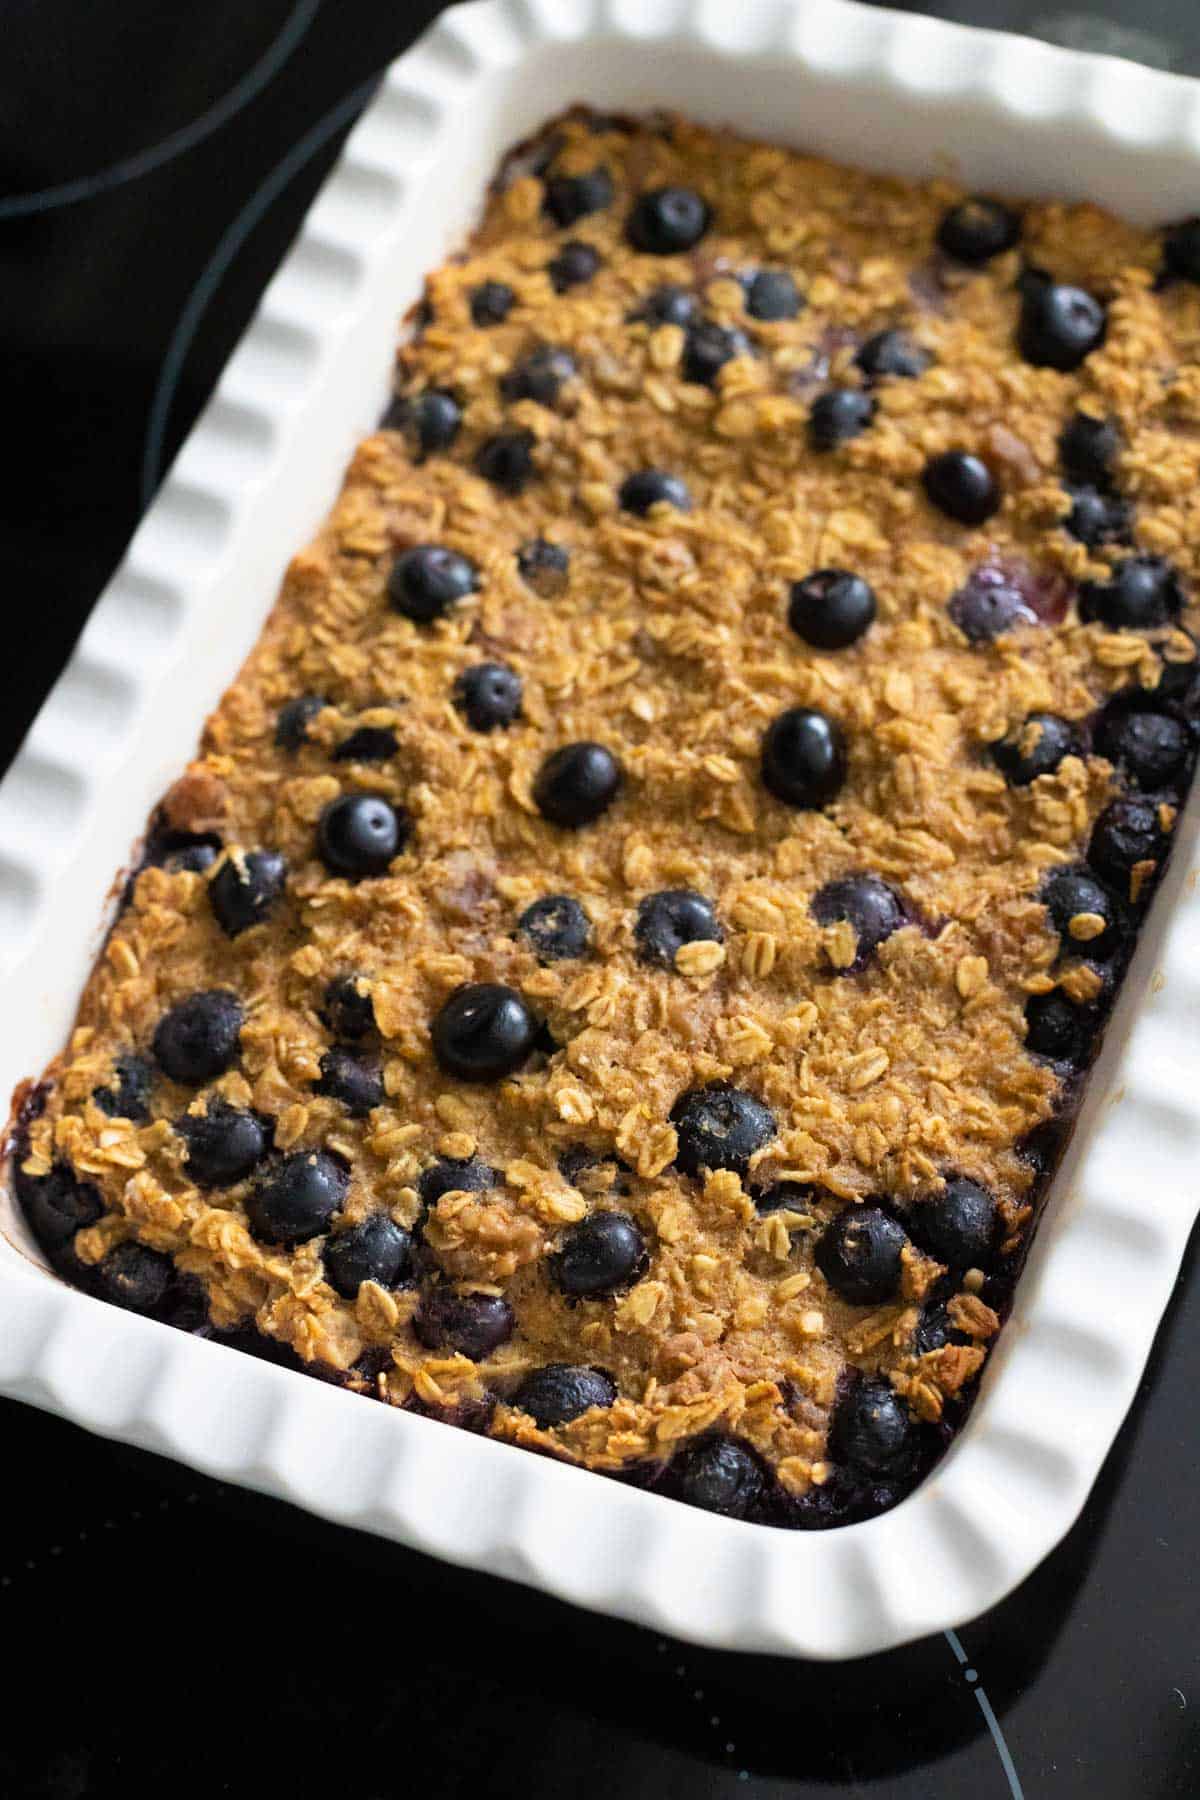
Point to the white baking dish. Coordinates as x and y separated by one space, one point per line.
891 91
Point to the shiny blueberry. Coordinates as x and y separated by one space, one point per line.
540 376
1144 592
603 1252
454 1175
1181 250
244 889
1038 747
650 487
354 1081
569 198
1071 893
576 784
707 348
483 1032
199 1038
990 603
1128 832
804 758
187 852
720 1475
1096 518
544 567
556 928
559 1392
491 303
961 486
872 1430
134 1276
959 1226
720 1127
369 744
1088 449
668 920
360 834
378 1250
893 353
977 229
668 220
295 1200
426 581
429 421
56 1205
772 294
347 1009
294 718
859 1254
831 608
670 306
874 909
223 1144
838 415
488 695
574 265
1150 748
472 1324
127 1095
506 460
934 1331
1056 1029
1059 325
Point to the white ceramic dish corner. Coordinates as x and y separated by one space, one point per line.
891 91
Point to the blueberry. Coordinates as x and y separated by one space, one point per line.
429 421
838 415
670 306
1127 832
347 1010
223 1144
1144 592
650 487
472 1324
127 1095
491 302
720 1475
772 294
360 834
426 581
1068 893
804 758
1038 748
668 920
199 1038
720 1127
574 265
569 198
872 1430
1056 1029
454 1175
959 1226
603 1252
1151 748
378 1250
483 1032
668 220
354 1081
893 353
295 1200
294 718
244 889
369 744
488 695
576 784
784 1196
934 1331
962 486
544 567
989 604
874 909
1096 518
540 376
1181 250
556 927
1088 448
559 1392
977 229
1059 325
506 460
134 1276
831 608
186 852
707 348
859 1254
55 1205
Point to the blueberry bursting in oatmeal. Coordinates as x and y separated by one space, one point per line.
618 968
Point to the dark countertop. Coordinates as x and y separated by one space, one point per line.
173 1636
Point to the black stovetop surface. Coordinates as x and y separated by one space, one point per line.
168 1635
